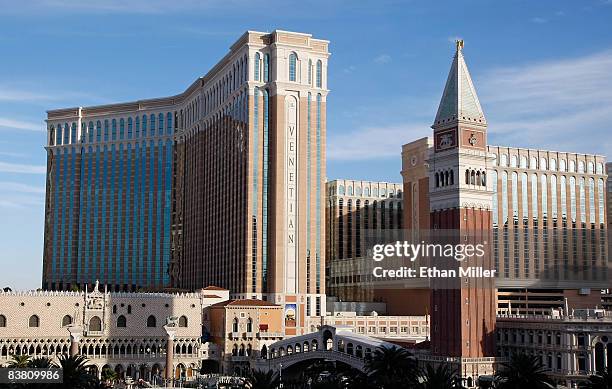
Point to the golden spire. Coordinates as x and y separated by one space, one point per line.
459 43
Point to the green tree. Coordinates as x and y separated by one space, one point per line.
41 363
523 371
19 361
392 366
601 380
263 379
76 374
440 377
108 374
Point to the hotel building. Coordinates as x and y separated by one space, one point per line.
222 184
571 346
549 228
138 335
355 211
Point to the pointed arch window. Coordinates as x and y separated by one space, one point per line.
66 320
183 321
151 321
292 67
266 68
95 324
121 322
256 66
34 321
310 72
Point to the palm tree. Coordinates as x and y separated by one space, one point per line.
75 372
263 380
601 380
392 366
40 363
19 361
441 377
108 374
523 371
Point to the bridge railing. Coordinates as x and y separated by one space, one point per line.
314 354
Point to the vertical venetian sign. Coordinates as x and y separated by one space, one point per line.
291 193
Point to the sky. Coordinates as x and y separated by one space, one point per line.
542 70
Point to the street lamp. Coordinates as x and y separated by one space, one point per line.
280 376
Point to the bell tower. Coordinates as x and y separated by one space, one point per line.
463 309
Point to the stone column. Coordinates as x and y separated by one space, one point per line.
76 332
171 332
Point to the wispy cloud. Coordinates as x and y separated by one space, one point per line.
539 20
564 104
6 167
20 125
26 93
8 186
22 202
349 69
13 154
383 59
373 142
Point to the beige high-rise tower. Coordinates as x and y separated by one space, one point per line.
251 175
222 184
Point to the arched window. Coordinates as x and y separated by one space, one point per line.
34 321
250 325
2 321
235 325
121 322
451 182
152 125
319 74
129 310
121 128
266 68
151 321
256 66
437 180
129 126
484 179
292 67
503 160
309 72
467 176
183 321
95 324
66 321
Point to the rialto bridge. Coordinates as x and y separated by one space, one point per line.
329 343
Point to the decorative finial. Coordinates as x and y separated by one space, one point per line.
459 43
